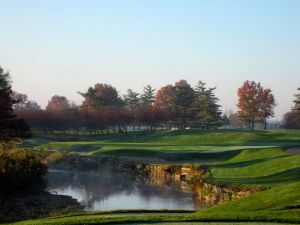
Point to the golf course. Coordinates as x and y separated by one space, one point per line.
267 162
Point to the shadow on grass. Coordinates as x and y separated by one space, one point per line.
173 154
245 163
284 177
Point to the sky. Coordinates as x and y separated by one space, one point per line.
65 46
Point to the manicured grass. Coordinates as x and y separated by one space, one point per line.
214 223
173 145
234 157
191 137
256 167
278 204
274 199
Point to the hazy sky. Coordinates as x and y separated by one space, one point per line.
64 46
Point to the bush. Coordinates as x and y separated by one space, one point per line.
19 169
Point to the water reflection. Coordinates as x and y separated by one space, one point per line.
116 191
141 186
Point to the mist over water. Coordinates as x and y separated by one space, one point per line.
115 191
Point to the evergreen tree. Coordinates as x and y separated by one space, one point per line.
131 100
296 107
207 111
183 97
148 96
11 127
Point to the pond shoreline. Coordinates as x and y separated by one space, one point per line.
34 204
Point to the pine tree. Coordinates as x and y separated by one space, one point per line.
11 127
132 100
148 96
296 107
206 110
182 99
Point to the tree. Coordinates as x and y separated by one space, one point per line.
247 102
148 96
164 97
100 96
255 103
225 121
235 120
11 127
21 101
296 107
131 100
206 110
266 103
181 102
58 103
163 104
290 120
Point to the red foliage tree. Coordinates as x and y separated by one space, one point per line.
255 103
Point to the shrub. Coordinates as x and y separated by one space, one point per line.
19 169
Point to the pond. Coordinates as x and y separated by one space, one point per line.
98 192
141 186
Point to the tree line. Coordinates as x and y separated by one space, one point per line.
104 110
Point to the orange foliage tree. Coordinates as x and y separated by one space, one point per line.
255 103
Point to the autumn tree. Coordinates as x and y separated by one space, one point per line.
164 96
266 105
58 114
58 103
11 127
163 103
255 103
206 110
100 96
290 120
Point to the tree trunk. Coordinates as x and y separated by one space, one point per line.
265 124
